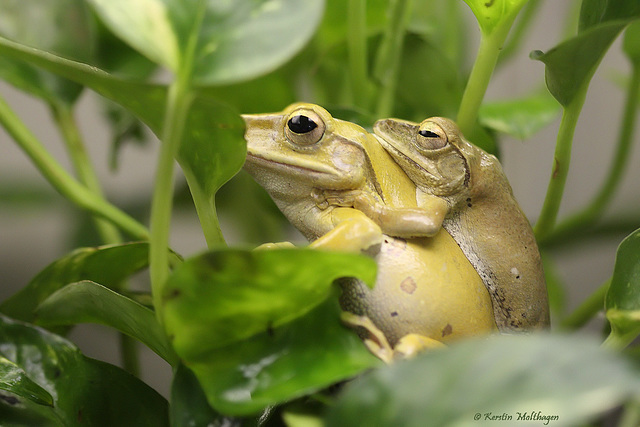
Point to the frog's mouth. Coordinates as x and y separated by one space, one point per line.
291 166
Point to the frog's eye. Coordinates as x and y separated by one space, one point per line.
431 136
304 128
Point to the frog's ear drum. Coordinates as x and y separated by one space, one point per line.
431 136
304 127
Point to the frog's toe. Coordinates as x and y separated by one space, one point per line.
278 245
411 344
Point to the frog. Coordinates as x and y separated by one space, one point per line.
343 191
483 216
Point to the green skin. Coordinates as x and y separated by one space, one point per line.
483 217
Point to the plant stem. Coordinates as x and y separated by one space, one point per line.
357 44
206 210
389 54
177 108
631 415
562 159
61 180
589 308
63 115
109 234
594 210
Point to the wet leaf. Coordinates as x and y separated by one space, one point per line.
15 380
234 40
89 302
108 265
85 391
622 302
267 288
299 358
566 377
520 118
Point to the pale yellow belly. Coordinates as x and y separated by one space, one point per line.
425 286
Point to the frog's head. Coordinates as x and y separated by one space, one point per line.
431 153
302 147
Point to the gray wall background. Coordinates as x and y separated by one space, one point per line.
29 241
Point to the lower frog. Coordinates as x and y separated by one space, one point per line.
316 169
483 217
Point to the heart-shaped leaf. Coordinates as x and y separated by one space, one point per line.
544 379
234 40
89 302
224 296
84 391
108 265
622 302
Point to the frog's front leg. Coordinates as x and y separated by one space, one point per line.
351 231
276 245
424 221
406 348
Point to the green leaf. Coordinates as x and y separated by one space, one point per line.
268 288
566 377
571 64
15 380
89 302
299 358
63 27
108 265
85 391
520 118
622 302
492 14
235 40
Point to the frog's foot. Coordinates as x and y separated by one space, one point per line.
406 348
411 344
375 340
278 245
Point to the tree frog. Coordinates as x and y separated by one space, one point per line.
483 216
337 185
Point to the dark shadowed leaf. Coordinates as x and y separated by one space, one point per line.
566 378
108 265
89 302
85 391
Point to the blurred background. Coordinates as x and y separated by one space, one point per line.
37 226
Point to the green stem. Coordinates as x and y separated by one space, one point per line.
63 115
60 179
631 415
562 159
617 341
589 308
589 215
483 67
357 28
206 210
177 108
389 54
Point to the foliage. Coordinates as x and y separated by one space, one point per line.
254 337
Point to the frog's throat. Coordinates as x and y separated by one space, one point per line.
272 160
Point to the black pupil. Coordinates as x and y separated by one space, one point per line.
428 134
301 124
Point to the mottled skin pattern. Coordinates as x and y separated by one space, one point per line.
484 218
426 288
